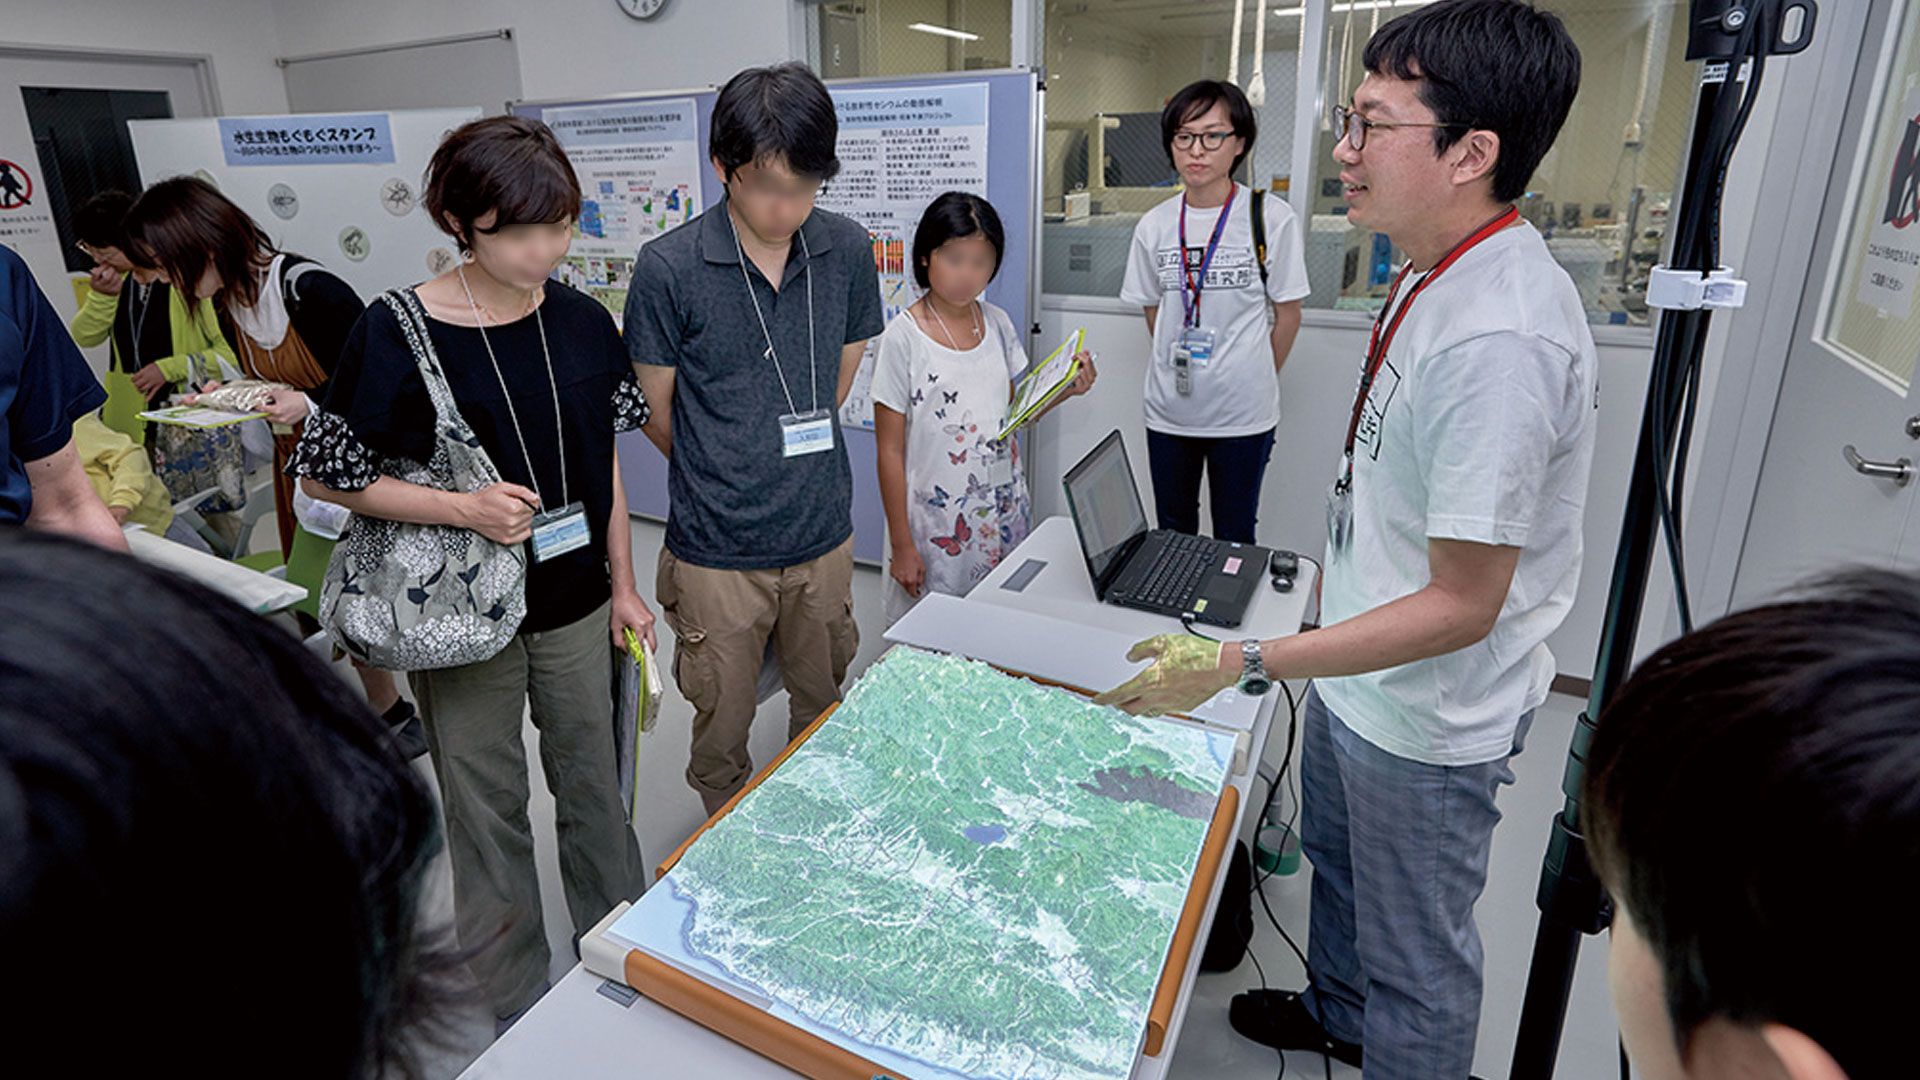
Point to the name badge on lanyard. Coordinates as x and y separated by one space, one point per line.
556 532
1194 347
1339 515
1000 463
1340 494
806 433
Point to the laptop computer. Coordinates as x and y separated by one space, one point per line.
1155 570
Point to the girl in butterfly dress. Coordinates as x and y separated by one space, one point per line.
943 379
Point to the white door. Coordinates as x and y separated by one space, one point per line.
1838 481
28 229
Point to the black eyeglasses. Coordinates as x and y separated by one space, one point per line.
1351 126
1209 140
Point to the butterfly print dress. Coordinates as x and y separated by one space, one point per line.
954 403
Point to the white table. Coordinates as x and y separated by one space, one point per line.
262 594
577 1031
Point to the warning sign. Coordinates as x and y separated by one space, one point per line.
16 186
22 213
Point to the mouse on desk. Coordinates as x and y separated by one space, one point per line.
1284 566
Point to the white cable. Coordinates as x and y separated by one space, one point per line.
1233 57
1257 86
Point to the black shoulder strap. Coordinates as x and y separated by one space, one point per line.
1259 209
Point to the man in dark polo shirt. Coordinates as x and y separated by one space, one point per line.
45 385
747 324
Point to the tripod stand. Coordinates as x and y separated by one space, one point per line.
1734 38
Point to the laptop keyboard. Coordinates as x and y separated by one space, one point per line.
1175 573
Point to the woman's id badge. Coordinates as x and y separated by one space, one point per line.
1193 349
1000 464
1198 341
556 532
806 433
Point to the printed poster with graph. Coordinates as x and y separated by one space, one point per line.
639 169
899 148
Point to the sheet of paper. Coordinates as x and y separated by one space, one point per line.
197 417
1044 382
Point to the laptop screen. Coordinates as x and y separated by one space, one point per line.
1105 504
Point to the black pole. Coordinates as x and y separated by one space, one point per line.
1571 900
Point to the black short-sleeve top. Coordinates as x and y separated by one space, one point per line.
377 410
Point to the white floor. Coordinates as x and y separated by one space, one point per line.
1209 1048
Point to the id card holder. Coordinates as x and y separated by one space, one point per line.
1000 464
556 532
1199 342
1339 515
1193 349
806 433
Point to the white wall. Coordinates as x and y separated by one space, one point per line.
568 48
238 44
241 44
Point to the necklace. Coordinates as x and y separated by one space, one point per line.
972 309
513 413
143 294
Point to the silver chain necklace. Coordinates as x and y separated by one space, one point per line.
514 414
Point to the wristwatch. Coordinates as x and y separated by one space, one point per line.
1253 671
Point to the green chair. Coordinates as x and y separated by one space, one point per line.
307 567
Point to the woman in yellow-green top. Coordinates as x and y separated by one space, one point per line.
159 342
123 478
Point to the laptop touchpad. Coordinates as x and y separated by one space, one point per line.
1232 580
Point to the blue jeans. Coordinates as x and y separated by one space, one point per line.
1234 469
1399 851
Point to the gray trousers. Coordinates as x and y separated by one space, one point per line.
1399 851
473 723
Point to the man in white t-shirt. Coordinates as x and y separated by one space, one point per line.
1222 321
1454 541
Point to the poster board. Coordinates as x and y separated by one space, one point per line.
1867 316
343 189
902 142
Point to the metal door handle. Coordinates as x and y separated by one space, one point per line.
1899 471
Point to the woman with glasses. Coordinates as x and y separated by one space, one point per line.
160 336
1220 272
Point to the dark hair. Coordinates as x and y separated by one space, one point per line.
955 214
783 112
184 225
101 221
1496 65
1753 796
508 164
1193 100
200 787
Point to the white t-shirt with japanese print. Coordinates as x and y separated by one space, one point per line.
1237 391
1478 427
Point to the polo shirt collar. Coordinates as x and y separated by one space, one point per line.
717 244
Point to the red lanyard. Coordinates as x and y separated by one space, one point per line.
1377 344
1192 283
